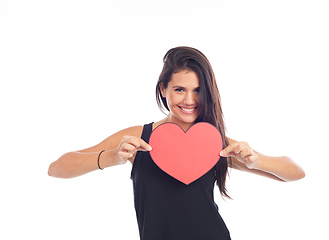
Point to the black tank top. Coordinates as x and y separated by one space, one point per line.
167 209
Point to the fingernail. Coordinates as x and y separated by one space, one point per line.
149 148
221 153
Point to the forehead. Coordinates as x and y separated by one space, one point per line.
185 78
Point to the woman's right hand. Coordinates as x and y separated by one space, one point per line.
128 147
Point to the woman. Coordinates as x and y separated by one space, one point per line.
166 208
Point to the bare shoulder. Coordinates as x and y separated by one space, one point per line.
114 140
135 131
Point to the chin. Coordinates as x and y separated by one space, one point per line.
189 119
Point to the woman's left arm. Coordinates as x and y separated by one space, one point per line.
246 159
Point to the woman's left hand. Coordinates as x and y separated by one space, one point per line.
242 152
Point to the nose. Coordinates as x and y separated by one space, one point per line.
189 98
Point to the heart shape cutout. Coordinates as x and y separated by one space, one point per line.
188 155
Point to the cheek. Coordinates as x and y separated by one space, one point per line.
172 99
197 98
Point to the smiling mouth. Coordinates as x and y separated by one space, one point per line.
187 110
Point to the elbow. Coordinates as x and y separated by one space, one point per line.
296 177
52 170
298 174
301 174
57 168
56 172
49 172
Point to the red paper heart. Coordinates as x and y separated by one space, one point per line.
188 155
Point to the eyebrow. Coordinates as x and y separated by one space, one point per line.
177 86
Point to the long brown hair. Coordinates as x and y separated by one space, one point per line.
186 58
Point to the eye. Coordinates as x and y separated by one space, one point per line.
197 90
179 90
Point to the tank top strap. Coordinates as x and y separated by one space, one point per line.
147 130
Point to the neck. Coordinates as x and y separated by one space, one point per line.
184 125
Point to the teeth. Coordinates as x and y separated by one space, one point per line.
188 110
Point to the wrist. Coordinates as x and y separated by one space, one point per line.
106 159
257 163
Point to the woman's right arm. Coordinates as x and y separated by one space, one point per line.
119 148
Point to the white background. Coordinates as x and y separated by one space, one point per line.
74 72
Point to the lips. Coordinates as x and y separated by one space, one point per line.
187 110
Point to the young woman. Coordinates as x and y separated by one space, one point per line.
166 208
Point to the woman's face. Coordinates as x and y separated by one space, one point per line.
182 96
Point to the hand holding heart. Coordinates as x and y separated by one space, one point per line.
128 146
242 152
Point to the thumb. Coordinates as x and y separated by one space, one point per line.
144 146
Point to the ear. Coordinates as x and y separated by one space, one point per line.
163 90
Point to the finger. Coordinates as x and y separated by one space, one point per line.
125 155
242 148
226 152
250 161
138 143
128 147
246 152
144 146
252 158
237 149
230 154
